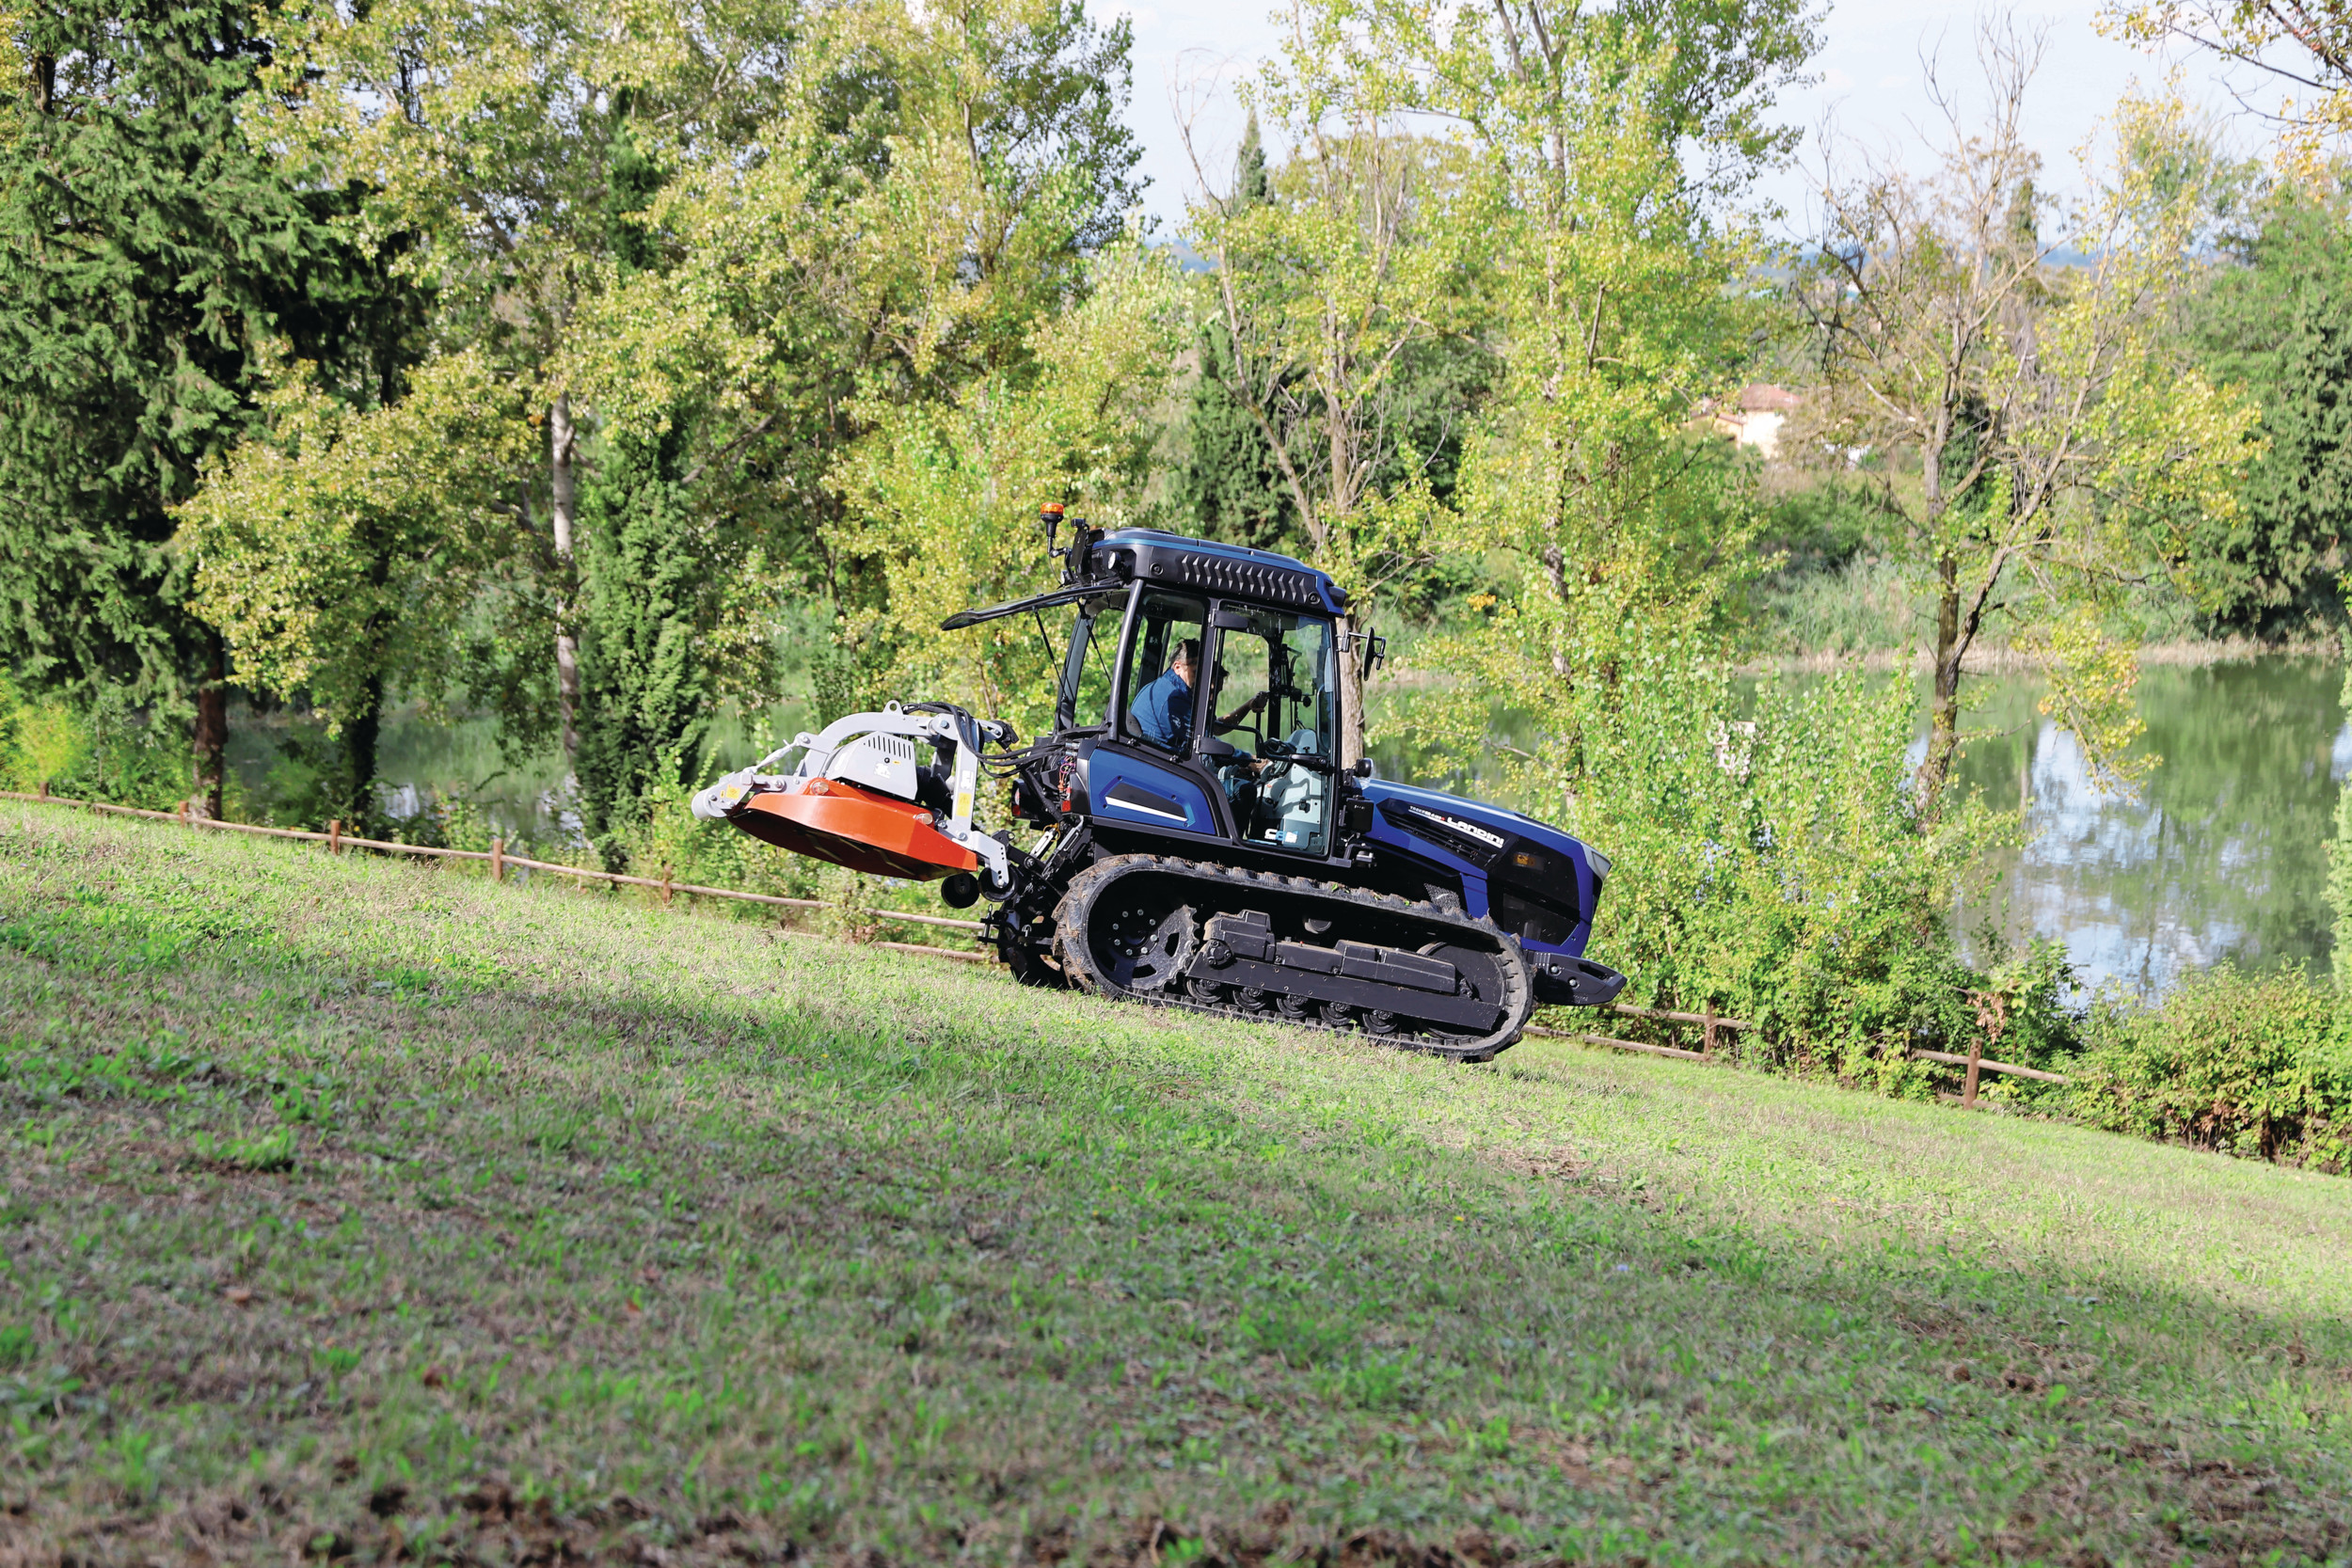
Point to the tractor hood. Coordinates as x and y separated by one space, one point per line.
1470 831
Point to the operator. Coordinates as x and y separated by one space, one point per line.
1163 710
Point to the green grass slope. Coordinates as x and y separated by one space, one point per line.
372 1210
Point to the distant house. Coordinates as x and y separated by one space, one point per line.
1755 418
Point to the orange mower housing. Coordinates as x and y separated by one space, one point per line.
831 820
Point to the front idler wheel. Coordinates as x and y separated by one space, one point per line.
960 891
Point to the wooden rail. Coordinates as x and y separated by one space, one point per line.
1976 1063
1709 1021
337 841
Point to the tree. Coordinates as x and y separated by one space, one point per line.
152 260
2028 418
862 288
510 135
2305 45
2280 325
1229 484
341 549
1576 151
649 600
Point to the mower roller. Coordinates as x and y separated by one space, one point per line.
1270 880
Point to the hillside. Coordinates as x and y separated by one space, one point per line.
360 1208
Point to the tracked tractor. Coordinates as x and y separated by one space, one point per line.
1199 840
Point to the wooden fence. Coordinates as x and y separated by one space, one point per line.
1710 1023
500 862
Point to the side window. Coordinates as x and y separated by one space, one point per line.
1162 670
1308 694
1243 664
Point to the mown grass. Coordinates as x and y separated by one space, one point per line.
372 1211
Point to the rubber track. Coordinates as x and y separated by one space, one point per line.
1078 960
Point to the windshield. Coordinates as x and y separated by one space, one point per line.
1085 697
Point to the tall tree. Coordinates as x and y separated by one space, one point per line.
2028 415
649 595
1229 484
152 259
491 130
2280 325
1567 207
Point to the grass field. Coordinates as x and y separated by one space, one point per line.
369 1210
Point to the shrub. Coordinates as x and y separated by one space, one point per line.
1778 866
103 751
2253 1065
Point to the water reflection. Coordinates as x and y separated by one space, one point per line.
2222 852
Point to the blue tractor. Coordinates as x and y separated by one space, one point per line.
1203 843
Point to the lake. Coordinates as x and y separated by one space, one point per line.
2222 853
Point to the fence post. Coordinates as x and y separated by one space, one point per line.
184 814
497 859
1708 1042
44 789
1975 1054
665 885
335 835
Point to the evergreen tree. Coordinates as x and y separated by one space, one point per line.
1228 484
2281 325
147 257
1250 187
646 604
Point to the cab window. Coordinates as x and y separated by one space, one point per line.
1086 678
1162 667
1277 676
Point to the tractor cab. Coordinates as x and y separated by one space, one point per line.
1200 692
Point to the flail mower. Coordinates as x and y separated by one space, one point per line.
1201 844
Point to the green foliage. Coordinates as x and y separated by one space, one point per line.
149 257
91 749
1776 865
1229 485
649 574
2279 326
2253 1065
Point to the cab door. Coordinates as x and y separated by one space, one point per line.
1275 673
1145 774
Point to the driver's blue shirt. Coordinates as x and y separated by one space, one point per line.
1163 711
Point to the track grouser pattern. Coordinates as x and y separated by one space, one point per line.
1138 928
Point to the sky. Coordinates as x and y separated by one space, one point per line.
1189 53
